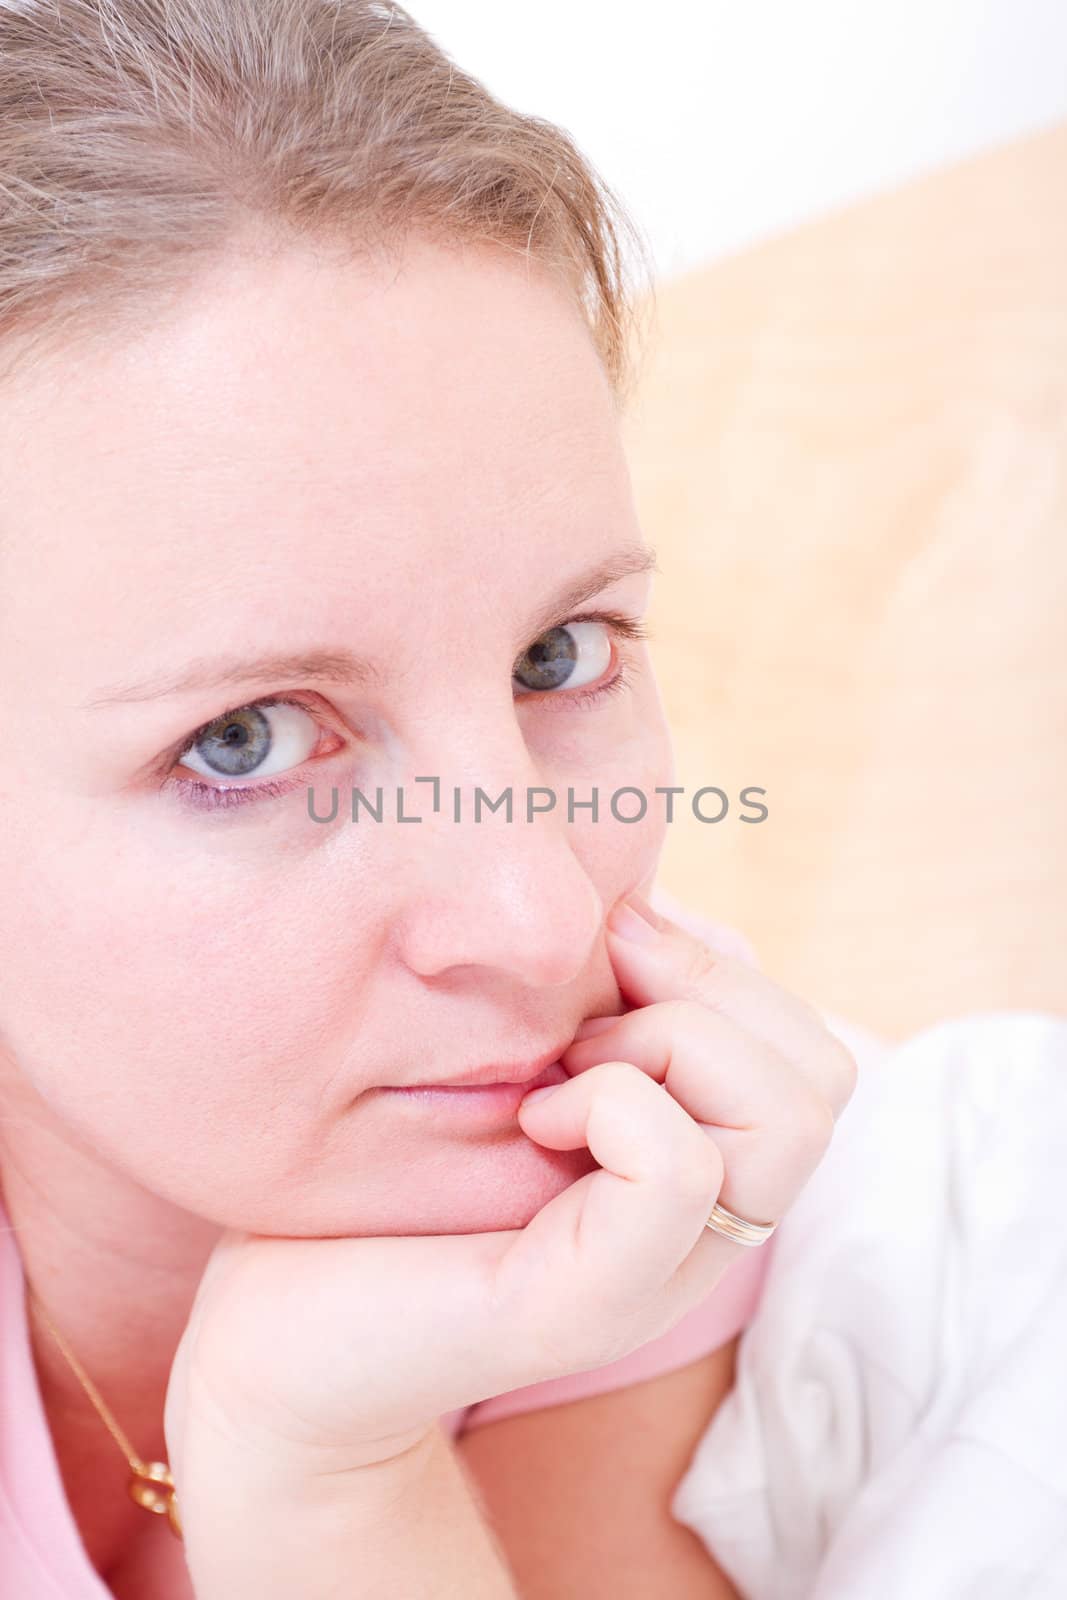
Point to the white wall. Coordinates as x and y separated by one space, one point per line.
721 123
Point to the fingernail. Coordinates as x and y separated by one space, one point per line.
630 919
539 1094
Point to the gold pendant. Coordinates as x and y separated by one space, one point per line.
172 1514
153 1488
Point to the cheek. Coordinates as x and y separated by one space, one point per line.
616 853
145 1005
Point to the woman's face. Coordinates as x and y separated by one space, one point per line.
413 465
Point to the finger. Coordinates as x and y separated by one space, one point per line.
633 1222
655 959
771 1125
722 936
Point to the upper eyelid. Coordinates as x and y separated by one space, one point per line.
622 624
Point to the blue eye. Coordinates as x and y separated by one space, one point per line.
263 739
569 656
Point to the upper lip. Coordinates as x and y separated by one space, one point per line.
495 1071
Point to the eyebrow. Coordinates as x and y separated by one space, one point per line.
343 666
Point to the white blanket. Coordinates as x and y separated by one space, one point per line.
898 1426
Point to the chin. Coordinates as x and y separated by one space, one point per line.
481 1186
483 1189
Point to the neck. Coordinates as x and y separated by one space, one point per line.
116 1267
117 1271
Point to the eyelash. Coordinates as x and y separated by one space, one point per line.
208 797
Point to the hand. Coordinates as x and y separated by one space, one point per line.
759 1074
320 1356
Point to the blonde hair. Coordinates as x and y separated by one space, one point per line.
137 136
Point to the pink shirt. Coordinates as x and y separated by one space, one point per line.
42 1556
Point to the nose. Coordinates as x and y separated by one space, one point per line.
493 893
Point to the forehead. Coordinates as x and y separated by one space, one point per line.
373 421
296 361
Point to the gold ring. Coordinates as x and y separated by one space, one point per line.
736 1228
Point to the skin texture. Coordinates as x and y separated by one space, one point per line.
713 1082
409 460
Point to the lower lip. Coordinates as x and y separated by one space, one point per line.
482 1102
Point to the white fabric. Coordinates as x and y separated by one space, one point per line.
898 1426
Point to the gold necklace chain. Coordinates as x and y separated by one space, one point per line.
151 1485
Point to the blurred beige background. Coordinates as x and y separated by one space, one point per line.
849 449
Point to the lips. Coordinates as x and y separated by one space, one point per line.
497 1073
470 1104
547 1075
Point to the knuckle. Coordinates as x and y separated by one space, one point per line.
690 1015
704 969
841 1070
689 1019
845 1072
802 1139
699 1176
817 1122
616 1076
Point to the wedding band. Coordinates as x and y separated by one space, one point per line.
736 1228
